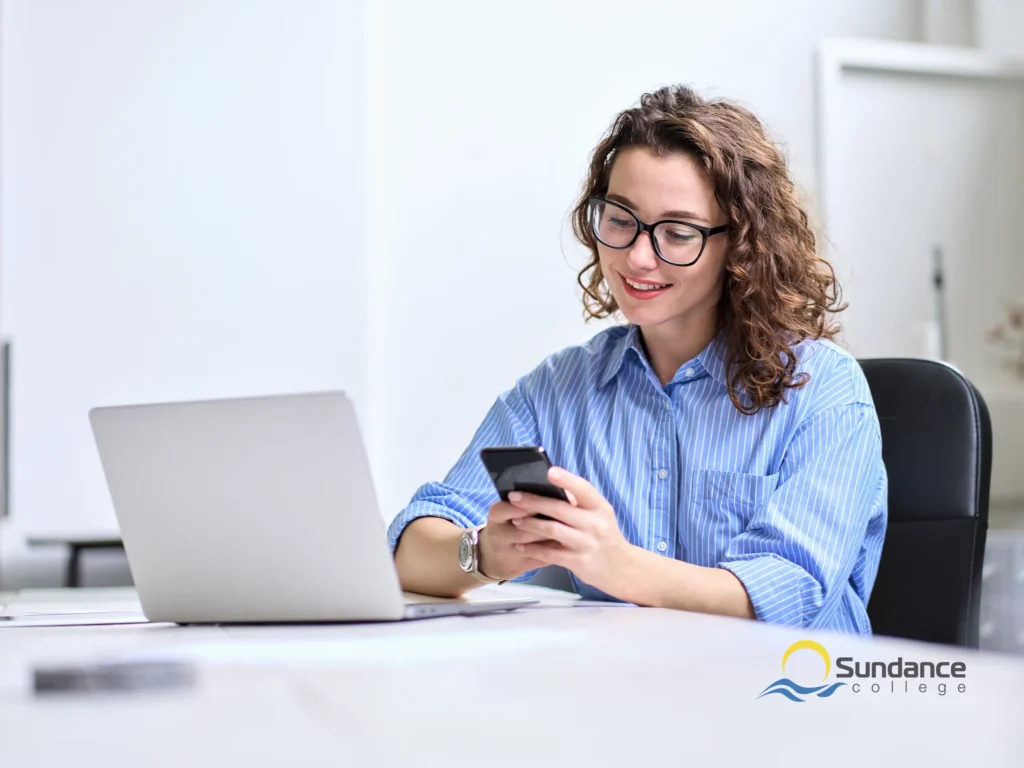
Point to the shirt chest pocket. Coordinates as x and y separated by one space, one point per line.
721 506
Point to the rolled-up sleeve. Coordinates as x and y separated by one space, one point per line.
796 555
467 493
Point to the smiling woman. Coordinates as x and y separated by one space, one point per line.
720 453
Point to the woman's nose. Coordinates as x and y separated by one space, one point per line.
641 255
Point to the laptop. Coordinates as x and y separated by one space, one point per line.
252 510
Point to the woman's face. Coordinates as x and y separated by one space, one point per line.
649 291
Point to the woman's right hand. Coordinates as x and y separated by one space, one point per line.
499 558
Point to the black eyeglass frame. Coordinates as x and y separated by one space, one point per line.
705 232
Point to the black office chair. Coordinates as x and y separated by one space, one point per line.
937 449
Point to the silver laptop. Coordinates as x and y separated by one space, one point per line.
255 510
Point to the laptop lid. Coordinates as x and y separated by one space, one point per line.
248 510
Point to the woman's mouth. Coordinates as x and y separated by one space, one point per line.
643 289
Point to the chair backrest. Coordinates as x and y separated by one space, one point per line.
937 449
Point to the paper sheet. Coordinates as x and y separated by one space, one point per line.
73 619
40 602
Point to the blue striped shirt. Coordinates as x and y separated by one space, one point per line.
792 500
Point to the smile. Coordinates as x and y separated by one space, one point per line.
643 289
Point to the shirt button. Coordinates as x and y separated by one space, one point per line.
668 406
662 474
688 372
662 546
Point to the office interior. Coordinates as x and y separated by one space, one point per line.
244 197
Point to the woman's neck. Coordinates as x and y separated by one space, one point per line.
669 345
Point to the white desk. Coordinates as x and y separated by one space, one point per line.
568 686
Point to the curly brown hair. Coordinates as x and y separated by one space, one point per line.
778 291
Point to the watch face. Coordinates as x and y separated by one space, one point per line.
466 554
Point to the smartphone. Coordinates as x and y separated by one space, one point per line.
521 469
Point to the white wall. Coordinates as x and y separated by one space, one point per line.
183 217
490 113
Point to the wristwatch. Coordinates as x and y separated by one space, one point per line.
469 556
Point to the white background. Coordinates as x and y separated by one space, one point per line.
215 198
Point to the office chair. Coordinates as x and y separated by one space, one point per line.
937 449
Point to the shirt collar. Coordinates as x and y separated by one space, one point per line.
630 340
712 358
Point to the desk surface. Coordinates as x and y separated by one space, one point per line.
546 685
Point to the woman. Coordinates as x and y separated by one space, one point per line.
721 454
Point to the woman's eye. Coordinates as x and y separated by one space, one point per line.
682 237
620 222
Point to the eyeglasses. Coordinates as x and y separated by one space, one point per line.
678 243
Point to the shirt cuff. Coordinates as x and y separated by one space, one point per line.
525 577
780 591
423 509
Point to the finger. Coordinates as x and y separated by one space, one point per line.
555 508
568 537
586 495
516 535
502 512
545 554
528 564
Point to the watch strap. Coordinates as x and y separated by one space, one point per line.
476 572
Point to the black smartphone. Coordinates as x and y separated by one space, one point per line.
522 469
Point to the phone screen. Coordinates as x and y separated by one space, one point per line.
522 469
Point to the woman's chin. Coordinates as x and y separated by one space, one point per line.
642 315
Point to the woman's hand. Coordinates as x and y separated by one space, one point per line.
499 557
583 534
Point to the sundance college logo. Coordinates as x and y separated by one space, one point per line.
872 677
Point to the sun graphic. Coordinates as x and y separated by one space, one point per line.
809 645
796 691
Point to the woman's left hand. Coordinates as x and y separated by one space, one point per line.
583 534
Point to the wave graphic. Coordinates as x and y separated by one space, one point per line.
794 692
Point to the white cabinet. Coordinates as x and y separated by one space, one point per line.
920 147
